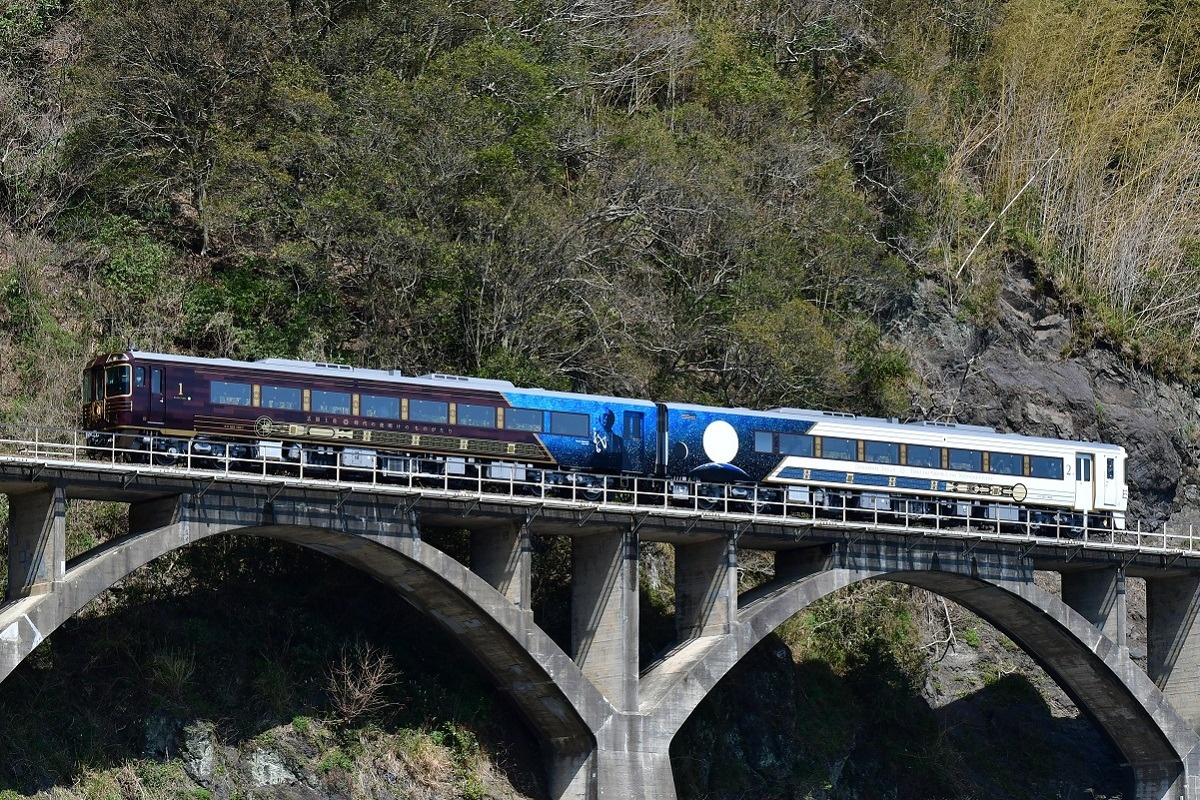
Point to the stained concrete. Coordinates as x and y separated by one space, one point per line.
1099 595
37 550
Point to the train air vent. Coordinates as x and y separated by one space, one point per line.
493 383
442 376
293 363
803 412
927 423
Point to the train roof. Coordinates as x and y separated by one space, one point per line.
327 369
892 428
888 428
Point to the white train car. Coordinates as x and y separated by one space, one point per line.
954 470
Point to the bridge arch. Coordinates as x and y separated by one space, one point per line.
1097 674
542 680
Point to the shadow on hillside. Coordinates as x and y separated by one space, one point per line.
774 728
241 633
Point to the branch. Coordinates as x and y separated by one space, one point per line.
1003 211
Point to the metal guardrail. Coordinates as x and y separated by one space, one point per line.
65 447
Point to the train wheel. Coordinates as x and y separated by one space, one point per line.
709 497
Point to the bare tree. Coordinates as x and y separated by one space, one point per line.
358 682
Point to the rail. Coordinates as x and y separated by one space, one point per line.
740 504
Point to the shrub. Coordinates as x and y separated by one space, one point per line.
358 682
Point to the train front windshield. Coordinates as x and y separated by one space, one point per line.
99 383
116 381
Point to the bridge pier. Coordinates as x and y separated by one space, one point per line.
1173 642
705 587
1099 595
1160 781
625 771
503 556
37 540
604 613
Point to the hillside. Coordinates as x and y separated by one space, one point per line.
967 210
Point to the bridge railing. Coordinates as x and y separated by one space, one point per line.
412 474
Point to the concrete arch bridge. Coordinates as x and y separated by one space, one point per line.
605 724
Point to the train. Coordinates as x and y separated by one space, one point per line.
289 414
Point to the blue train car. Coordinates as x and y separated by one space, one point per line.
601 436
718 444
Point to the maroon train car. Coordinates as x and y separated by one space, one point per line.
169 407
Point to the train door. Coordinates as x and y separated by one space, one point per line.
1084 484
1110 482
157 413
635 441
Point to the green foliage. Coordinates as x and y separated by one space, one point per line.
866 633
159 778
335 759
172 671
23 20
882 375
135 262
259 309
734 73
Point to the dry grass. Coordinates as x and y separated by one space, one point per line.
1090 115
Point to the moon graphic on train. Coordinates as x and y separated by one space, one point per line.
721 447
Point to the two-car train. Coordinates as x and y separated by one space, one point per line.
290 413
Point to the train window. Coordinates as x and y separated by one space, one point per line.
1006 464
881 452
331 402
156 376
921 455
375 406
523 419
794 444
967 460
87 387
764 442
565 424
1083 467
116 381
139 377
1045 467
844 449
428 410
280 397
231 394
1112 468
476 416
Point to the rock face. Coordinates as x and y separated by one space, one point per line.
1018 376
